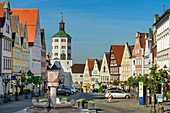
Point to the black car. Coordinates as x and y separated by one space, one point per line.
64 91
95 90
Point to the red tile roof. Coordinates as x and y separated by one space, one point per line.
142 40
30 17
99 63
108 57
78 68
90 65
1 12
2 9
131 49
118 52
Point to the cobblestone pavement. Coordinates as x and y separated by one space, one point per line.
116 106
124 106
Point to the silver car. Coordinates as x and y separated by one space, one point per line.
118 94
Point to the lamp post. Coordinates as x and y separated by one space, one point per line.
16 86
6 81
29 73
22 81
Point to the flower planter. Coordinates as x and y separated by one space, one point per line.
77 104
37 98
81 105
85 105
63 102
91 106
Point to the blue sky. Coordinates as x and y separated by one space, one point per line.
95 24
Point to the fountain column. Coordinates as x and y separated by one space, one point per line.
53 82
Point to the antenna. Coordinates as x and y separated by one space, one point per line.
164 7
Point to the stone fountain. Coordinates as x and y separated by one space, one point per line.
51 106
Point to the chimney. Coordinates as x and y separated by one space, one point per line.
156 17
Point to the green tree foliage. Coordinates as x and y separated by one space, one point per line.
115 82
100 90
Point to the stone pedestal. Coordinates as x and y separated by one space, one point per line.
53 94
53 82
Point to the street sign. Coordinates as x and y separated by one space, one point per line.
160 81
13 77
160 98
140 93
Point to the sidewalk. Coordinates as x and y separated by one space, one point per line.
14 106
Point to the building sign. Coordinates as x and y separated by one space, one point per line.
140 93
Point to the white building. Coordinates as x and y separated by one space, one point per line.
61 52
95 77
77 71
148 51
104 71
161 33
5 46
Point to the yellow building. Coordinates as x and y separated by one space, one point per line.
20 52
87 83
126 63
24 49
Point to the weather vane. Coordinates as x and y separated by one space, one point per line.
164 7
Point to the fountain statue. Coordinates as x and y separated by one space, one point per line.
51 105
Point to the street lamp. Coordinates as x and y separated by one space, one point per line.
6 80
29 74
22 81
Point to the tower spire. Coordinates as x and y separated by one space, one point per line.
62 23
61 16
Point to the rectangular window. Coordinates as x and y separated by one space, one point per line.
7 28
81 75
64 40
133 62
69 40
4 63
55 40
56 54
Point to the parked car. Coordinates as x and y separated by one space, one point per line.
64 90
73 89
118 94
113 88
95 90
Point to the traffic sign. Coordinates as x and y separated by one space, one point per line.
160 98
160 81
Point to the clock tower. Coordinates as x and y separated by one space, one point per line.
61 51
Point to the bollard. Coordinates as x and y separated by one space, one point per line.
161 108
109 96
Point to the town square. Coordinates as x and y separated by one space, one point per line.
90 56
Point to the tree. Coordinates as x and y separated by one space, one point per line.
99 83
154 79
115 82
